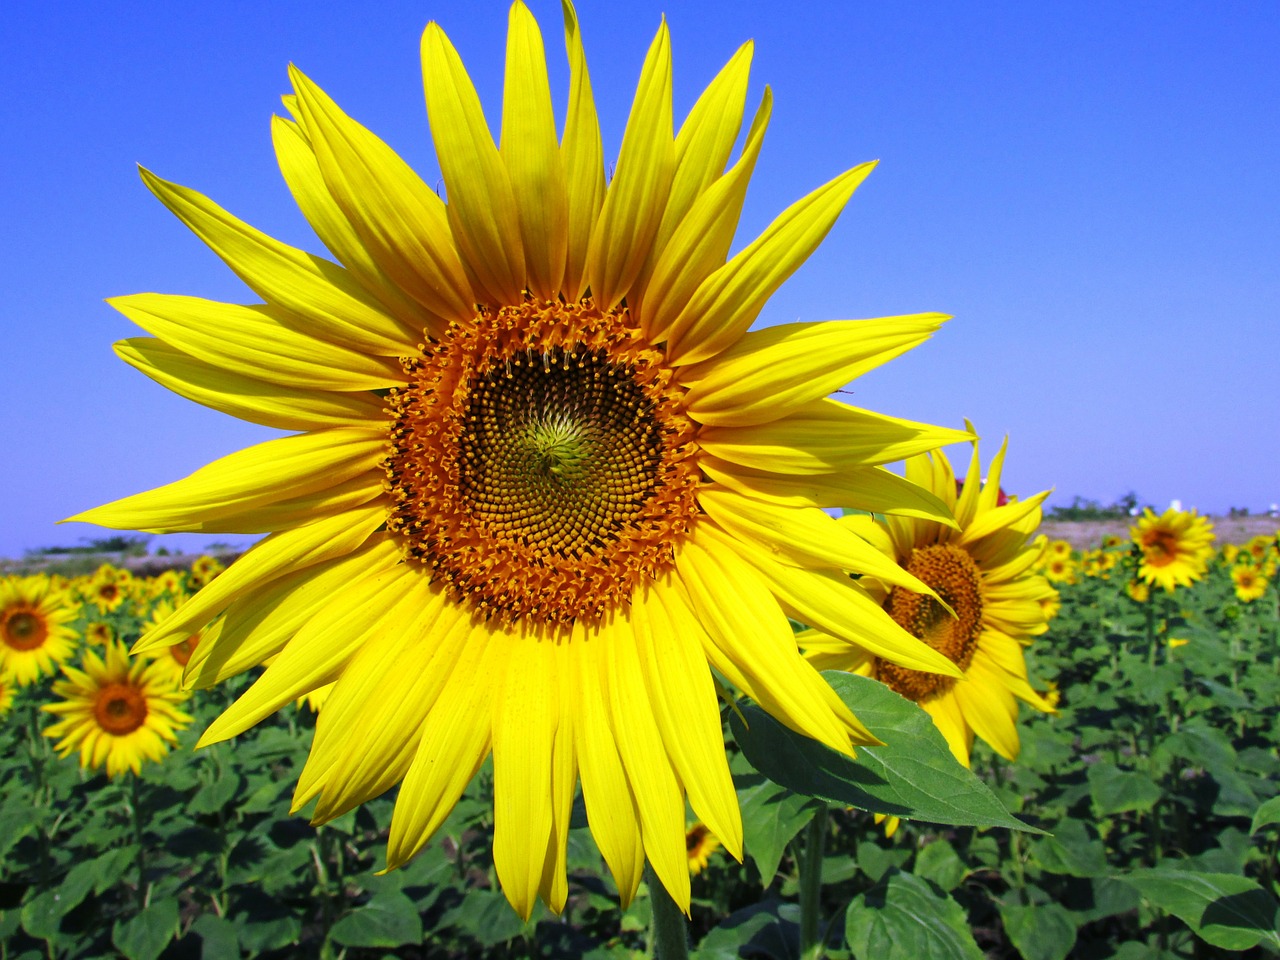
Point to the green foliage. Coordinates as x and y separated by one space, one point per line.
1150 797
1085 509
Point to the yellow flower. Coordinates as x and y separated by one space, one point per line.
1138 590
99 633
174 657
1060 569
34 636
1176 547
108 588
1059 548
313 700
117 713
6 693
1250 583
204 569
547 481
982 571
1262 546
700 843
1230 552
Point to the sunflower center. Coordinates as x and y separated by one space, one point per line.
953 575
1160 547
24 630
541 463
181 652
120 709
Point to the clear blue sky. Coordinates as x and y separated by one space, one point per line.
1091 189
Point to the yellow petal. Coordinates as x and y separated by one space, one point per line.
803 537
331 302
399 219
272 405
996 518
277 555
751 643
948 718
989 709
873 489
769 373
583 155
526 710
482 207
297 160
729 300
259 475
611 807
834 603
824 437
455 740
254 342
685 707
318 652
530 150
261 620
659 799
701 241
637 195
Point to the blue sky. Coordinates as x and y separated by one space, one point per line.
1091 189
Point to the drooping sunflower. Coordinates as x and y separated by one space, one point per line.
1176 547
116 712
982 569
546 479
34 632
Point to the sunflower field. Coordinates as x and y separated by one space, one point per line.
1147 822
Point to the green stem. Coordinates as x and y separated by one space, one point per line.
135 812
811 885
669 928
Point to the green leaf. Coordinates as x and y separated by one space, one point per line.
940 863
1223 909
771 816
913 776
1042 931
40 915
145 936
216 796
390 919
1266 815
738 932
218 940
487 916
905 918
1120 791
1070 851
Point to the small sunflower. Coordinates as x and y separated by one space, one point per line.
700 843
1060 569
1176 547
1139 591
203 570
116 712
108 588
175 656
98 633
1058 548
548 480
34 636
1250 582
982 569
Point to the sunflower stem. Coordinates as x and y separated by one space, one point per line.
135 812
668 926
811 885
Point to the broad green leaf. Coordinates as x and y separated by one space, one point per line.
144 937
1070 851
216 796
771 816
487 916
218 940
1223 909
741 932
1042 931
1120 791
906 918
913 776
41 917
1267 815
388 920
940 863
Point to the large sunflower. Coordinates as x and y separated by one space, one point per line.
34 632
547 481
982 569
117 713
1176 547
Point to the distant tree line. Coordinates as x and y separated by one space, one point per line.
1084 509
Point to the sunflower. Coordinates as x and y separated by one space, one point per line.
6 693
34 636
1060 569
1138 590
204 569
116 712
174 657
1250 582
98 633
982 570
547 481
1176 547
699 843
